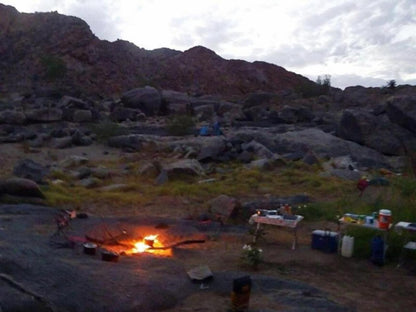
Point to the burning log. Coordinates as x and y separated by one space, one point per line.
185 242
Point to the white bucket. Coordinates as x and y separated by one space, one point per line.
347 246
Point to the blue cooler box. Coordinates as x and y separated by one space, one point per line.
326 241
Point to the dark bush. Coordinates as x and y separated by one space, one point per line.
181 125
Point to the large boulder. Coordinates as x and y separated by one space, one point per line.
259 98
28 169
183 167
82 115
73 161
288 114
223 207
257 149
360 96
211 148
69 102
176 102
131 142
326 145
12 117
364 128
402 111
69 105
147 99
20 187
80 139
61 143
204 112
230 112
149 169
123 113
44 115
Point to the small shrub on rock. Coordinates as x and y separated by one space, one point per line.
181 125
107 129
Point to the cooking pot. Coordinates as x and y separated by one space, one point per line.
90 248
110 256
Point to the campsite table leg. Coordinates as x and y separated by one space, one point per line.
295 238
256 232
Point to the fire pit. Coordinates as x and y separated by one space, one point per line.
127 239
150 244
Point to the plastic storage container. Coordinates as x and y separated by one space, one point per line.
325 241
377 250
347 246
384 219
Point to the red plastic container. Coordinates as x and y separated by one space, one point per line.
384 219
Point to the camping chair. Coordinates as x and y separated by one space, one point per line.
408 251
60 238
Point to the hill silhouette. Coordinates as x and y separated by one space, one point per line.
50 49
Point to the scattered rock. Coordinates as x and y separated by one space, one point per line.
114 187
147 99
402 111
44 115
73 161
101 172
20 187
211 149
346 174
90 182
28 169
12 117
130 142
82 115
120 114
162 178
61 143
149 169
224 207
183 167
310 158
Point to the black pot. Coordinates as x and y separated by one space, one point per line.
109 256
90 248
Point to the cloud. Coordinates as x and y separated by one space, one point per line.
98 14
342 38
343 81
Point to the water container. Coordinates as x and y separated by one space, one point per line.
384 219
347 246
377 250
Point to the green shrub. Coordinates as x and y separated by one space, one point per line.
181 125
107 129
251 255
55 67
406 186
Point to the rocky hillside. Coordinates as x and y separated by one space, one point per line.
59 82
43 49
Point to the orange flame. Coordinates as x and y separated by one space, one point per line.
140 247
145 246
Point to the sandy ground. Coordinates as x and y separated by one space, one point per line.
349 281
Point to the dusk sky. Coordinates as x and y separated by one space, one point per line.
367 42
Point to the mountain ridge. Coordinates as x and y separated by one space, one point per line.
94 66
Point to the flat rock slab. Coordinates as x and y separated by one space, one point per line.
36 277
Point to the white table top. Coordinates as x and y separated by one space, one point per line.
276 220
373 226
405 226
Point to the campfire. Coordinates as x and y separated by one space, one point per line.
135 241
150 244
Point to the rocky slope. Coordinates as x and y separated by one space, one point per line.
57 78
43 49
